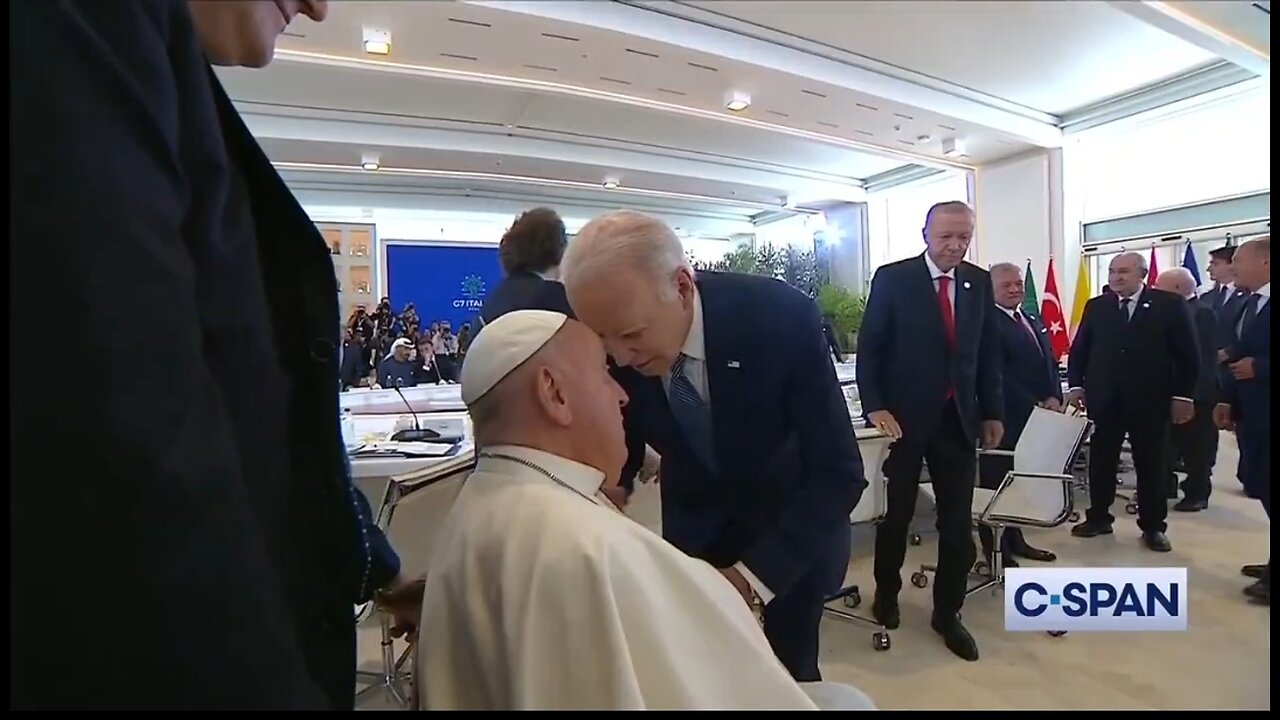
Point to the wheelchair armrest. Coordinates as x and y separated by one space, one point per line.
996 453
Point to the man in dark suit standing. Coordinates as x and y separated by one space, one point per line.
214 501
530 253
1224 298
760 468
929 377
1134 364
1029 374
1246 396
1196 441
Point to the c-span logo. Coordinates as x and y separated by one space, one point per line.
1096 599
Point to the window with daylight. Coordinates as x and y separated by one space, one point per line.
896 216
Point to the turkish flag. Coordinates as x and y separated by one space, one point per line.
1051 315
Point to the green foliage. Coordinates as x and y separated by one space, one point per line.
844 306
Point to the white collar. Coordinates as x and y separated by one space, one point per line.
695 343
935 272
1136 294
583 479
1014 312
1264 291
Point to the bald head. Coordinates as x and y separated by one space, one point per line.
561 400
1127 273
1178 281
1253 264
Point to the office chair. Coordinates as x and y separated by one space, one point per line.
1036 493
413 508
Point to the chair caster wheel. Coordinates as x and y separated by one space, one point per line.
880 641
981 568
914 539
1074 516
1131 508
852 600
919 579
1057 633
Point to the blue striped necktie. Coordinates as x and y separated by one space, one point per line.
692 412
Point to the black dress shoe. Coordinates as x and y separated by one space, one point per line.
1088 529
1157 541
1259 592
1189 505
1025 550
885 612
1253 571
955 636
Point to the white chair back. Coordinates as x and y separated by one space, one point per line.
413 522
1038 490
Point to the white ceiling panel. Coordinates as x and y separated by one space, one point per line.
1047 56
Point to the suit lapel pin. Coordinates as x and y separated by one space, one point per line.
734 364
1146 304
967 285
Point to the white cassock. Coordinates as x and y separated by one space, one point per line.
541 595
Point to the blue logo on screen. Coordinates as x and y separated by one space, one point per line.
1097 599
472 293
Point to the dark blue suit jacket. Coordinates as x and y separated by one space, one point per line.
1224 308
1250 400
525 291
1028 369
209 489
904 363
789 471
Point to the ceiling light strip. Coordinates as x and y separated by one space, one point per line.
527 180
593 94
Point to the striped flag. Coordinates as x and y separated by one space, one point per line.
1189 262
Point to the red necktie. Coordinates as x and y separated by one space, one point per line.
1026 325
948 319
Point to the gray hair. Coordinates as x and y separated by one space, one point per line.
1142 261
1184 279
625 239
1004 267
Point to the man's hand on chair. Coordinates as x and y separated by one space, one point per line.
403 599
740 584
992 433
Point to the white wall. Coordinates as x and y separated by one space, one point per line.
1019 215
1213 149
895 216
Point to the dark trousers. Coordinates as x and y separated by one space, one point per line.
1147 429
950 455
792 618
1196 444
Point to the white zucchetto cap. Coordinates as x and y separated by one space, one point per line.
503 345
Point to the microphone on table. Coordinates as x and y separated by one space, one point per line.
417 434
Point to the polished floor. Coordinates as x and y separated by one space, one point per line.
1222 662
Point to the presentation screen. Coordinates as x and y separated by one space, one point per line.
444 282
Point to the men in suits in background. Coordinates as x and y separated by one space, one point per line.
1133 363
530 253
1246 396
218 500
1224 297
929 377
1194 441
1029 374
760 468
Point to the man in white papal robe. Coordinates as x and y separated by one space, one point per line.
540 593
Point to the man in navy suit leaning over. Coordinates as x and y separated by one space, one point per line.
760 468
929 376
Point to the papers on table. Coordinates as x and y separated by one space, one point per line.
403 449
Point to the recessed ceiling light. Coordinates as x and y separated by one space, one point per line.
610 184
737 101
377 42
369 162
923 138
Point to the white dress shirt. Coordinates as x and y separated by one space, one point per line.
695 371
935 273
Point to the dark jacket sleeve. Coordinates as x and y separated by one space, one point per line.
384 563
1078 357
990 368
152 515
874 339
1206 324
831 479
1182 347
